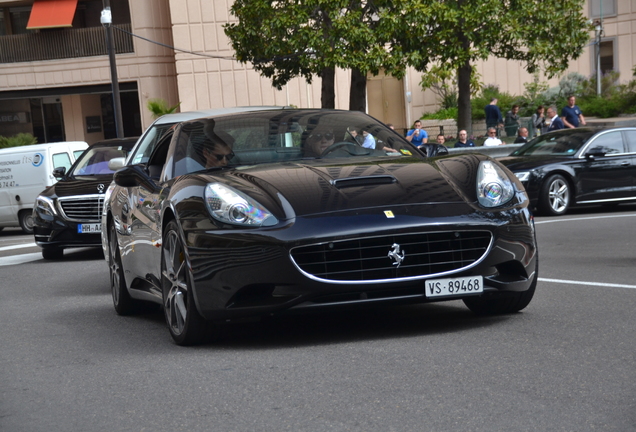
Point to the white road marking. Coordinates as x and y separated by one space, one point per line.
583 218
18 246
20 259
587 283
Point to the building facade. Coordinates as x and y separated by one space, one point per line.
55 80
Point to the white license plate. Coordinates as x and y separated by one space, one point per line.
454 286
89 228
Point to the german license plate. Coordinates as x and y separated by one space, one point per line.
89 228
454 286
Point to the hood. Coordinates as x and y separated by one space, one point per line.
81 185
314 189
525 163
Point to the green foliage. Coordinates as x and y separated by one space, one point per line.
615 98
443 83
159 107
442 114
21 139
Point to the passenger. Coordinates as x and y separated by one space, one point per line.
353 132
318 141
369 140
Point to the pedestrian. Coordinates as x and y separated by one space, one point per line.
555 122
417 136
492 139
522 136
512 122
571 114
441 139
493 115
463 140
538 121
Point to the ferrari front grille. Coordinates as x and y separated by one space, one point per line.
392 257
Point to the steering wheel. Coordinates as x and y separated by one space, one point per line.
351 148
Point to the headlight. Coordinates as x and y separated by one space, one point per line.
494 188
45 205
230 206
523 176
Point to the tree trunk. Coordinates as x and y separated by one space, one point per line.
464 111
327 90
358 91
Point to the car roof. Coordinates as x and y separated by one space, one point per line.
191 115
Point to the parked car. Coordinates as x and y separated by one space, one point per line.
67 214
24 172
253 213
577 166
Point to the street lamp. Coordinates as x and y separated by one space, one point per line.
598 27
107 19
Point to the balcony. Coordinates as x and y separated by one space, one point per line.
62 44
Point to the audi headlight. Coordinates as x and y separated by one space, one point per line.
230 206
523 175
45 205
494 188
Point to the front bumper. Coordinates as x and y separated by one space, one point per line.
239 274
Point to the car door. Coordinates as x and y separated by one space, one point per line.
607 174
145 212
630 140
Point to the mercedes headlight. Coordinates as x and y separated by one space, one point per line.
45 205
494 188
230 206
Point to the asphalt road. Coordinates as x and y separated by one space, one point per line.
566 363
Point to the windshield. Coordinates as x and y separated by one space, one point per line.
285 135
143 149
94 160
565 143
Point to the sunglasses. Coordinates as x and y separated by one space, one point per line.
328 136
220 157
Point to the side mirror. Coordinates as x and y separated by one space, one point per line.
116 163
59 172
594 153
133 176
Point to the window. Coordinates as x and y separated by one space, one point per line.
607 56
603 8
631 141
609 143
61 160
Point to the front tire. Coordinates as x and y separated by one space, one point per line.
555 196
123 303
504 303
186 325
25 218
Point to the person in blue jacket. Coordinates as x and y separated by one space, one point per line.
493 116
555 122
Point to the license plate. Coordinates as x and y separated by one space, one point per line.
89 228
454 286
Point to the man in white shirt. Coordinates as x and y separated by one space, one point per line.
492 139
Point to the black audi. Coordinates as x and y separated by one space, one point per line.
577 166
254 213
68 214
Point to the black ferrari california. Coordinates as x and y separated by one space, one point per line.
252 213
577 166
68 214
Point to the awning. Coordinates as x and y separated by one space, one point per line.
52 14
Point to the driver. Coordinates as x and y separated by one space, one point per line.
318 141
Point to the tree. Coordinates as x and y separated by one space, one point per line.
159 107
289 38
456 33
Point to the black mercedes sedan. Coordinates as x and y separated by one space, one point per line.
67 214
254 213
577 166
